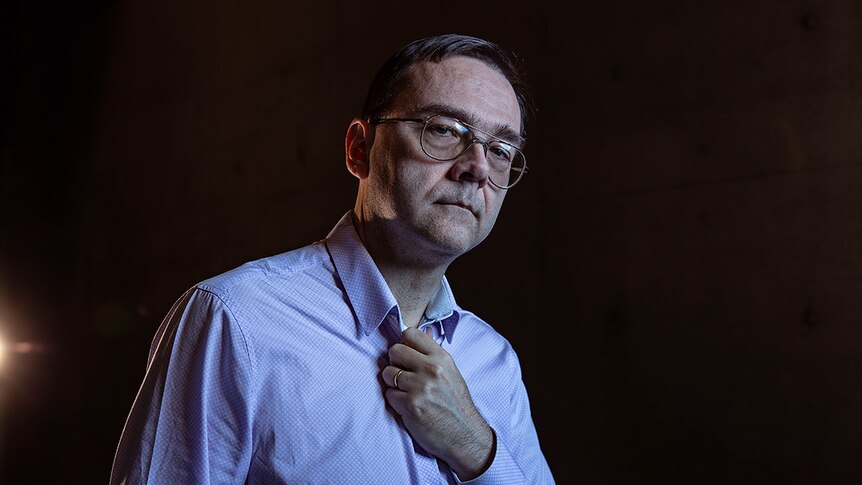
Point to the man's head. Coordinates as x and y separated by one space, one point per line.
416 208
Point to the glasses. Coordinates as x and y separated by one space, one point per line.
445 138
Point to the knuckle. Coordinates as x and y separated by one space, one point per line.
410 334
414 406
393 351
436 370
426 388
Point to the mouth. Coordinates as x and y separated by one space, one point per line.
462 205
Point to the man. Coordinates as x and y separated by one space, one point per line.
348 361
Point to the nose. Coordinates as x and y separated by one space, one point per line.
472 165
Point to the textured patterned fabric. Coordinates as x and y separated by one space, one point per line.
270 373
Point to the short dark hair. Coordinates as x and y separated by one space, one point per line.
390 79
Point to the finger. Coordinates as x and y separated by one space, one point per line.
398 400
405 357
395 377
419 340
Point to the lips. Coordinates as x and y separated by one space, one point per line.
462 204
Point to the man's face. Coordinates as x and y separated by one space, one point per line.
441 209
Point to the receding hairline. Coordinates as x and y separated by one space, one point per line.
502 130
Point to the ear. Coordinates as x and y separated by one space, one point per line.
356 145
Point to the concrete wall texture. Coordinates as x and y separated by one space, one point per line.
679 272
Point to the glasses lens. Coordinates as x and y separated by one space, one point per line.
445 138
508 174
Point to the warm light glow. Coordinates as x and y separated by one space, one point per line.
2 352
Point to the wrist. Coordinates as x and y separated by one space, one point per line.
476 457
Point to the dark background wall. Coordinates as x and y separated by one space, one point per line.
679 273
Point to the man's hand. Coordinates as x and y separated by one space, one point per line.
435 405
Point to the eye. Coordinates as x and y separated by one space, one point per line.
501 153
441 130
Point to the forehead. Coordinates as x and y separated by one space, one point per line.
465 85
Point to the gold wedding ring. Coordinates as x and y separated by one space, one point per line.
396 379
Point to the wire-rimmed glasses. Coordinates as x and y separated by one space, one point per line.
445 138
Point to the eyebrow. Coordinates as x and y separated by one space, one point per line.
500 130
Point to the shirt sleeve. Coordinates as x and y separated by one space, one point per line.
517 455
191 419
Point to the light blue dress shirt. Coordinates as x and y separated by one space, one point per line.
270 374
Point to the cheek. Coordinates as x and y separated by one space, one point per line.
404 172
404 184
419 176
494 201
393 162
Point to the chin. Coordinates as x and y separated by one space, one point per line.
454 241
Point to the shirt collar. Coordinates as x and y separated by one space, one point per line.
369 295
443 307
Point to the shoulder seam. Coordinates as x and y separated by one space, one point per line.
225 301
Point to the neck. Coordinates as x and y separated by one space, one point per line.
413 281
412 289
